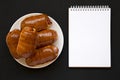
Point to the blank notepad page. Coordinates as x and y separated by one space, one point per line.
89 36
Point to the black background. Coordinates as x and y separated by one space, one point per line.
11 10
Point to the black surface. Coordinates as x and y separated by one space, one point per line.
11 10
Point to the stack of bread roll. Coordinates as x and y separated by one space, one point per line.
34 41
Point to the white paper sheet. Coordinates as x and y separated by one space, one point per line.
89 37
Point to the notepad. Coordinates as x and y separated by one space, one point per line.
89 36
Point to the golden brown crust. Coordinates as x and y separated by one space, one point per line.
12 42
46 37
39 22
43 55
26 44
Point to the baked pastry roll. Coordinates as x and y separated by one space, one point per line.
26 44
39 22
43 55
12 42
46 37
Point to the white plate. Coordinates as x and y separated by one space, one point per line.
59 43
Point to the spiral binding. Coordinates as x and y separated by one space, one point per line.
90 8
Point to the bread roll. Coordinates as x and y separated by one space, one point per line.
26 44
43 55
39 22
12 42
46 37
